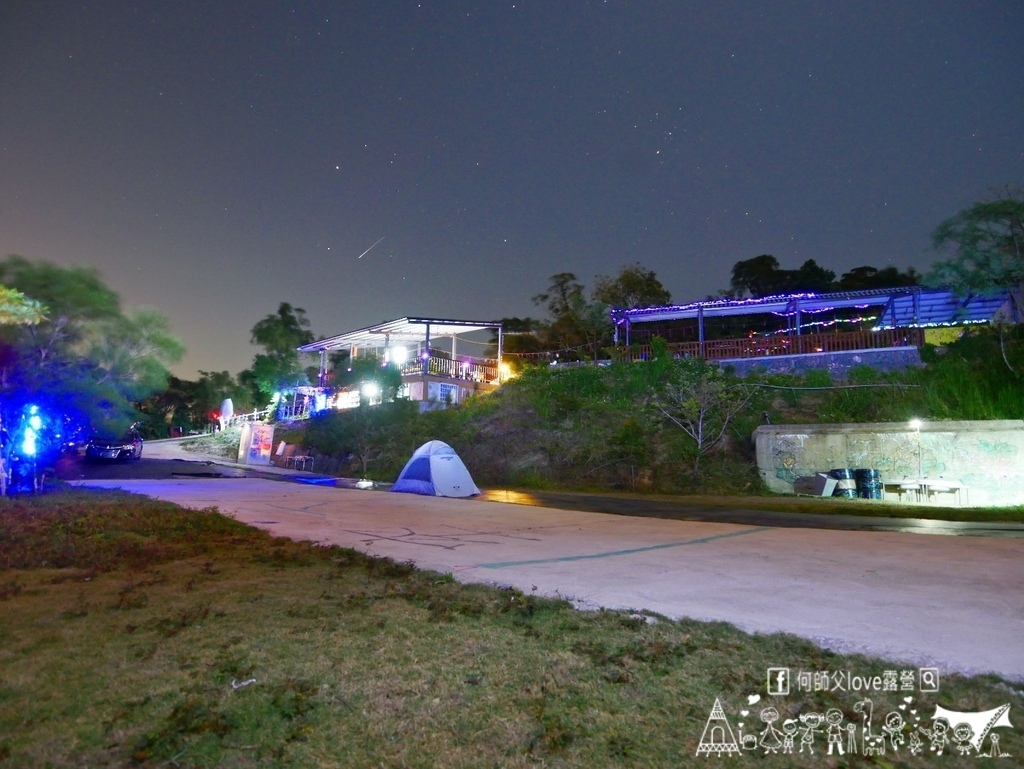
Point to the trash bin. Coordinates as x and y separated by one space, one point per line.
846 486
869 483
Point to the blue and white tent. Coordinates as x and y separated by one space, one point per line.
436 471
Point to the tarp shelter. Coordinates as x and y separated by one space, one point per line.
436 471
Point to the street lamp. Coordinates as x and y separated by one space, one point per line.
915 425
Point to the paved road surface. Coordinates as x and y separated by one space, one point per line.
953 602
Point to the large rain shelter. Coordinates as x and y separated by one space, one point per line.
412 345
808 323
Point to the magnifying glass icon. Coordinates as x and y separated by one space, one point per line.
929 679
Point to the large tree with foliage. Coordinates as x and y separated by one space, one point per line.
634 286
193 405
986 241
763 276
84 356
573 323
279 366
16 309
867 277
759 276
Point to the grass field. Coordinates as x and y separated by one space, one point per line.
134 632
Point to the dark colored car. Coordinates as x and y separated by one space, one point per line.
127 446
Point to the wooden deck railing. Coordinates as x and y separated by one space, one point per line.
805 344
453 369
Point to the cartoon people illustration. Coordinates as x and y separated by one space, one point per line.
893 729
834 719
938 735
962 736
789 730
812 724
770 737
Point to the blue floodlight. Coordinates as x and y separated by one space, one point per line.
28 445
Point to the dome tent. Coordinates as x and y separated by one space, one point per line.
436 471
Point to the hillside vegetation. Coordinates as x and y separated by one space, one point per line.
665 425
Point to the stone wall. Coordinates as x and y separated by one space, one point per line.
987 457
836 363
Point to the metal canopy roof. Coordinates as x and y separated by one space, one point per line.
402 330
785 304
941 308
910 306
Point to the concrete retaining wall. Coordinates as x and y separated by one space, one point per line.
988 457
838 364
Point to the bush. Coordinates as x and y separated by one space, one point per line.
590 427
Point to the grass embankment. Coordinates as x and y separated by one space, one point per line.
677 506
133 632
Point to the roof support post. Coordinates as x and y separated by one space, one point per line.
700 330
426 353
501 340
322 375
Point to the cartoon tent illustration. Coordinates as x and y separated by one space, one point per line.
981 722
718 737
436 471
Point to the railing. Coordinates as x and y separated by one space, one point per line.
804 344
253 416
452 369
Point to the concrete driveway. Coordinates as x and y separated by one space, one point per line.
956 603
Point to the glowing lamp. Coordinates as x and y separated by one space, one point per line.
28 445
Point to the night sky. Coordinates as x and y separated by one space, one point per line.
215 159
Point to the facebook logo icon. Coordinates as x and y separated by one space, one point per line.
778 681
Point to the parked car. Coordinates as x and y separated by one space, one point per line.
126 446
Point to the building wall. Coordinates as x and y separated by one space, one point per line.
837 363
986 456
439 391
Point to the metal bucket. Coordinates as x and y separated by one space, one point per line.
869 483
846 488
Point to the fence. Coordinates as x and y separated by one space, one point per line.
452 369
804 344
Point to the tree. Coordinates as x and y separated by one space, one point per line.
574 322
84 357
74 296
521 342
987 244
810 277
866 278
133 352
633 287
279 365
701 401
18 310
758 277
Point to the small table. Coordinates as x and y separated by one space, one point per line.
295 459
925 488
932 486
